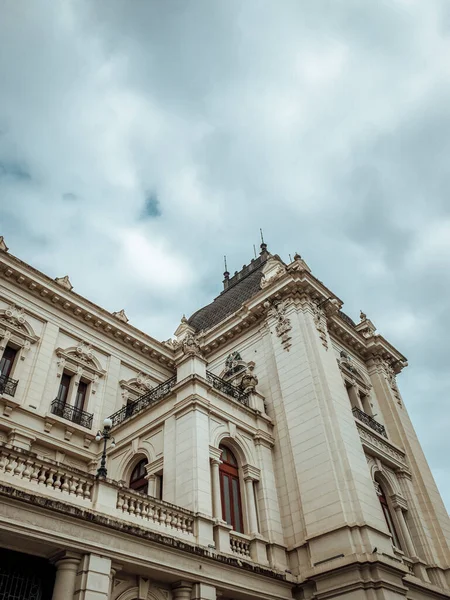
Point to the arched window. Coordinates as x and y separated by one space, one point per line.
388 516
138 483
230 490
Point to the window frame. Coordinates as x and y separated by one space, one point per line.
230 494
11 363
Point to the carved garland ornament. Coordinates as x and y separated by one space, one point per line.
283 323
16 328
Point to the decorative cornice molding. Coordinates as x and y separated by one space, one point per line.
56 296
381 448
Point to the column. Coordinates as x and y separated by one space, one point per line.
251 506
215 483
182 590
151 478
94 582
66 572
202 591
405 532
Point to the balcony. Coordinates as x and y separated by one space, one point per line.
70 413
369 421
8 385
227 388
148 399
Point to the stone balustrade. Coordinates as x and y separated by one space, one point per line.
239 545
30 471
152 510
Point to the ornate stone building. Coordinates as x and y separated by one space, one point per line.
265 452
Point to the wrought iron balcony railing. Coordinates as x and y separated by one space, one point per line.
75 415
148 399
8 385
370 421
227 388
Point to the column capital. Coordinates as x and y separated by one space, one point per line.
252 473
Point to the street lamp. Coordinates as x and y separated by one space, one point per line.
104 435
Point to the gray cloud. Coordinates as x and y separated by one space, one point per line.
326 123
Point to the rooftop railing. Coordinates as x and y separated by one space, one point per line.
148 399
71 413
8 385
370 421
227 388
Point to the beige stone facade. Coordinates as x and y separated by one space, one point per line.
275 451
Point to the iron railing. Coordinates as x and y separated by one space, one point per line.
370 421
8 385
148 399
70 413
227 388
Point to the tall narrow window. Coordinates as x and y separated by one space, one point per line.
80 397
388 517
64 386
138 483
230 490
7 361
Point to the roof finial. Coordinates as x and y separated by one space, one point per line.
254 249
263 244
226 273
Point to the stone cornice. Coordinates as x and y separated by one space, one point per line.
93 316
295 284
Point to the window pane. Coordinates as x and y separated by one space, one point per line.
237 507
226 508
64 387
7 361
81 395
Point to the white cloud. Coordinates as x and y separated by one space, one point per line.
331 130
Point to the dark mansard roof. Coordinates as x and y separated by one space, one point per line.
238 289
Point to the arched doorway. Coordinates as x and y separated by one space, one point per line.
230 490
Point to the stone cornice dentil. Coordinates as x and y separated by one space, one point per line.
93 316
297 282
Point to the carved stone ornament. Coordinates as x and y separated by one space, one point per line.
64 282
189 344
272 271
84 352
365 327
283 324
321 324
15 315
299 264
121 315
249 380
3 245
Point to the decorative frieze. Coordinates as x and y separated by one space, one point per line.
381 448
283 323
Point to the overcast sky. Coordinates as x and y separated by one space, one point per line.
141 141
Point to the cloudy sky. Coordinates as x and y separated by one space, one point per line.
140 142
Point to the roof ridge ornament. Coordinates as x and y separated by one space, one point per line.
121 315
3 245
64 282
365 327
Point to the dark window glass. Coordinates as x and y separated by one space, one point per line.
64 386
138 483
230 490
7 361
80 397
